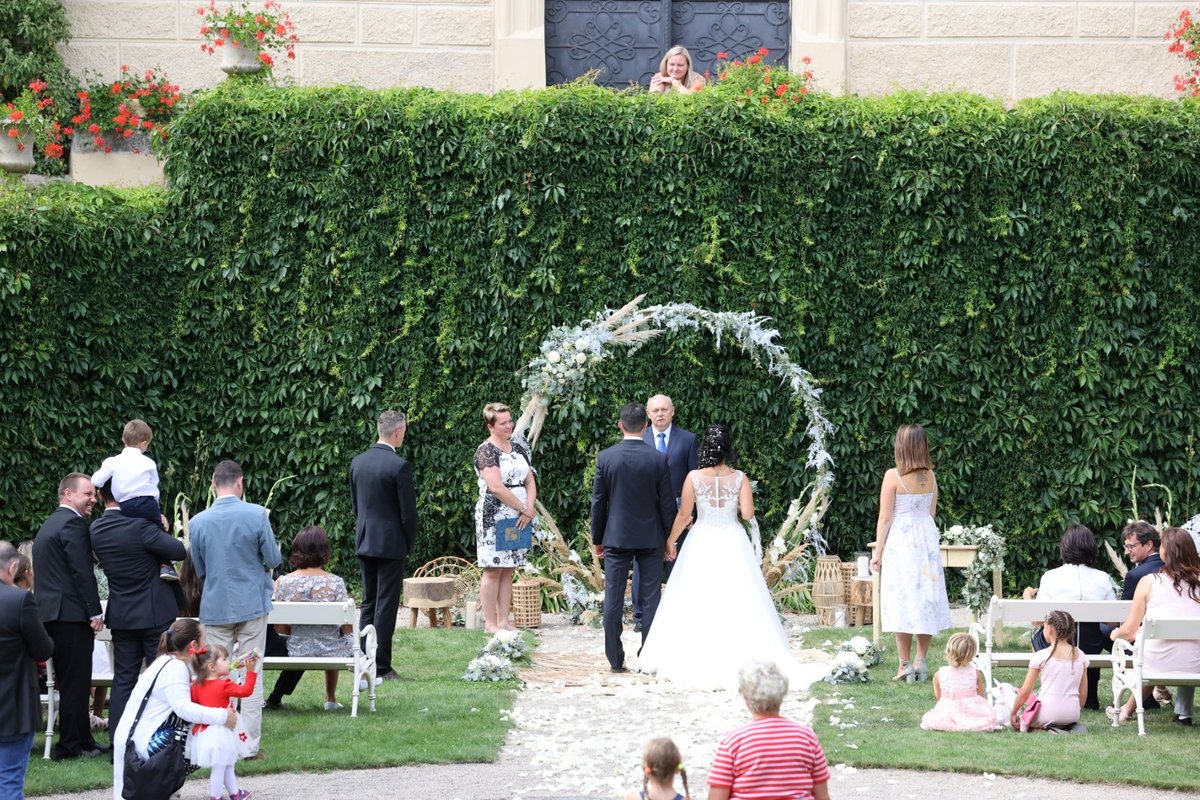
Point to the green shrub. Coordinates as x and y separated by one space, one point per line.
1023 282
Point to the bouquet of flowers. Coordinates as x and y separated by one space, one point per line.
489 668
864 648
506 644
270 28
848 667
754 80
977 588
30 117
586 608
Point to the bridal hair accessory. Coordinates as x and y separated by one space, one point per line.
196 651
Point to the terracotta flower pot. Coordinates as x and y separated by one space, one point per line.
16 153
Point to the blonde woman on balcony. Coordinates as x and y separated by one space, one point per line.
675 73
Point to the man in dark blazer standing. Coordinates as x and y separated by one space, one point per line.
384 502
681 451
23 643
70 609
140 605
632 511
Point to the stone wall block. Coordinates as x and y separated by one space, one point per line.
455 26
388 24
325 23
99 59
462 71
107 19
1153 20
1109 67
1000 20
882 68
884 20
1106 20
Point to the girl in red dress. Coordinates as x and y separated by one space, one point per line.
216 746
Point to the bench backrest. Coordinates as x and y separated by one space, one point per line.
1026 611
344 613
1169 628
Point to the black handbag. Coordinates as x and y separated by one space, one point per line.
160 775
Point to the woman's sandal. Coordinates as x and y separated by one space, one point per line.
920 673
906 672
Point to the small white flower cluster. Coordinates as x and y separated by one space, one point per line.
506 644
489 668
977 586
585 608
848 667
568 353
864 648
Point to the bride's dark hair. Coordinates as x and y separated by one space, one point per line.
716 447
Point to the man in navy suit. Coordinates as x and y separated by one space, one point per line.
140 605
680 448
384 502
632 511
69 605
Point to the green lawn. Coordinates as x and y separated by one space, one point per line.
430 716
1165 757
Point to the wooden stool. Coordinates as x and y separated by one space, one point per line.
860 601
430 594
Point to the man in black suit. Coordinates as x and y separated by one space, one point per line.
632 511
384 502
680 448
23 643
70 609
140 605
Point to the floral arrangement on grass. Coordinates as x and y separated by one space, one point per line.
267 29
31 115
584 607
506 644
977 588
753 80
848 667
1185 40
489 668
864 648
130 105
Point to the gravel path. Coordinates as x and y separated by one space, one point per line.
578 733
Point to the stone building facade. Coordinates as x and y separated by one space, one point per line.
1009 49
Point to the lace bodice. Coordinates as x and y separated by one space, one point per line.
717 498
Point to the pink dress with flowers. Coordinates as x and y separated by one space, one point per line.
960 707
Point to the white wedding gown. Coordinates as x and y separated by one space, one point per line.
716 612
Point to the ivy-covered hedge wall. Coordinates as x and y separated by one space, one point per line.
1023 282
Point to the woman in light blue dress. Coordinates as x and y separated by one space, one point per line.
912 585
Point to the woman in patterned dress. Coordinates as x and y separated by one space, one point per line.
507 490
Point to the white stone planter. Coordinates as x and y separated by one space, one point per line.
16 154
121 167
240 60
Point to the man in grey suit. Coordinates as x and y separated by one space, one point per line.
23 643
632 511
140 605
234 551
384 502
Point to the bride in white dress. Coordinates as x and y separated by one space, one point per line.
716 612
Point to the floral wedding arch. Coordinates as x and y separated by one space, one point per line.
569 354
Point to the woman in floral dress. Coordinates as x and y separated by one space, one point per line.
507 490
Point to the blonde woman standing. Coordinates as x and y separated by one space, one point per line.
907 552
507 490
675 73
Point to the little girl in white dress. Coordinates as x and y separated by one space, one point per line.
215 745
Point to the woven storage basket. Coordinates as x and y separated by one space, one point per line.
827 591
849 570
527 604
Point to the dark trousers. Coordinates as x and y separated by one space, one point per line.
143 508
73 680
132 651
617 563
382 579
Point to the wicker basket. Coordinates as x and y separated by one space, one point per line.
527 604
827 591
849 570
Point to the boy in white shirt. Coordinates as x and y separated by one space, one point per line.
134 479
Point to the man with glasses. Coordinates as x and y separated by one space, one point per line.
1141 547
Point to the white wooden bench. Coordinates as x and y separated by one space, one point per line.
1129 672
361 662
1023 612
50 698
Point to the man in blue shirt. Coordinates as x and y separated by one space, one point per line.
234 550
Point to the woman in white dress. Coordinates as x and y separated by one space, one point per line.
716 613
912 586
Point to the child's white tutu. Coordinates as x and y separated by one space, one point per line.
216 744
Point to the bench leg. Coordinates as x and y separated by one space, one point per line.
414 618
447 620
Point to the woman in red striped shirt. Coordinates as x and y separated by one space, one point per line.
771 758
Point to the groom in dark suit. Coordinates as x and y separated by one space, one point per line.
632 511
384 503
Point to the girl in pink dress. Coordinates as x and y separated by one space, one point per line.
1062 668
958 687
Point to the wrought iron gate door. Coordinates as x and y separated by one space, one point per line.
626 39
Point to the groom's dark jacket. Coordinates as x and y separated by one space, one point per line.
633 505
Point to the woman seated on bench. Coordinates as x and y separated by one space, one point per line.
1173 592
310 583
